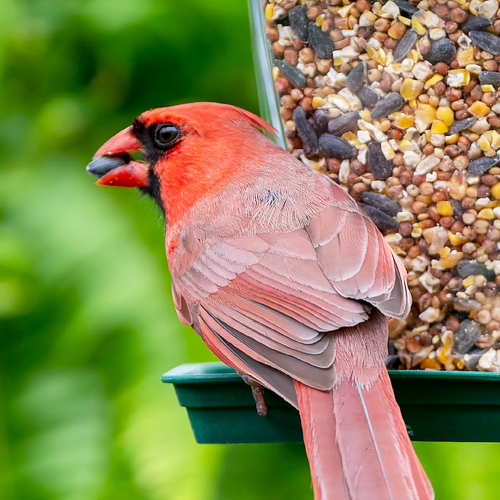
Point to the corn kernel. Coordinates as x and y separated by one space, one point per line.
416 232
418 26
320 19
396 67
447 340
451 260
410 89
495 191
486 213
483 143
344 11
432 80
458 77
427 110
468 281
487 88
339 102
405 121
495 140
466 56
438 127
451 139
351 138
381 57
269 11
365 114
430 364
485 203
387 150
444 208
276 72
414 54
478 109
405 20
457 238
394 32
446 115
317 102
445 252
405 144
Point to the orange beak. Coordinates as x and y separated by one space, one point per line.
114 166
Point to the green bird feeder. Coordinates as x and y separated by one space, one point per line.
436 405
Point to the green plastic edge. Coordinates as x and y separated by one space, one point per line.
218 372
461 406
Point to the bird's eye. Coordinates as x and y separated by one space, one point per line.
166 135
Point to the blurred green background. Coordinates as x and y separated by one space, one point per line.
86 319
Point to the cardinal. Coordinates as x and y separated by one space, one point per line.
285 279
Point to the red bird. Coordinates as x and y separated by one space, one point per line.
285 279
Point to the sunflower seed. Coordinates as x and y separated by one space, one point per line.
390 207
486 41
460 125
321 42
482 165
356 78
405 45
389 104
489 78
321 118
300 22
466 336
305 129
104 164
381 167
292 74
468 268
336 147
383 221
406 8
344 123
443 50
476 23
458 209
367 96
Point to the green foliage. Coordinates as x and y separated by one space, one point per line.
86 319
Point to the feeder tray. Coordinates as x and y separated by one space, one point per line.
436 406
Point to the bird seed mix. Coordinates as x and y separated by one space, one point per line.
398 102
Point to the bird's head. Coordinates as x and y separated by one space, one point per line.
176 142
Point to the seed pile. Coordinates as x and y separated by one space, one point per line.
398 102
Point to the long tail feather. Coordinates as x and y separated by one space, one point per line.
357 444
318 426
356 440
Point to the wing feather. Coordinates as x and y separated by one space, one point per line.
270 300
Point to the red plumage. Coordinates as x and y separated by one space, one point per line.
286 280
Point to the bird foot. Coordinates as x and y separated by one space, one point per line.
257 393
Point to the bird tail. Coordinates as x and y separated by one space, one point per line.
356 440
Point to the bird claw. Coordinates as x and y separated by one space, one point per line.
257 393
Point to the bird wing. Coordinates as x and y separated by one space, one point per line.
356 259
266 302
